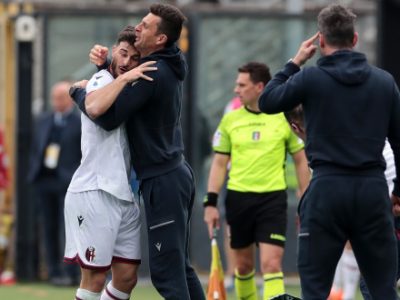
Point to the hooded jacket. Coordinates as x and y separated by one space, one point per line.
350 107
151 111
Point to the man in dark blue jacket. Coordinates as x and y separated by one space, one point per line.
151 111
55 155
350 108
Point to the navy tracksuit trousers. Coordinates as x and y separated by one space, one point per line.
168 201
341 207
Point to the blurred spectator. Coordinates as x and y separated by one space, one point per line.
6 220
3 163
233 104
55 155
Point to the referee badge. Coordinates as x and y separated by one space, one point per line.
256 135
217 138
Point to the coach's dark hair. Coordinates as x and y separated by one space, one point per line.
336 23
171 22
259 72
127 35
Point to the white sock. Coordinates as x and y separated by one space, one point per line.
338 279
82 294
111 293
351 275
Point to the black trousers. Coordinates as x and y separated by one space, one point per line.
168 201
341 207
363 286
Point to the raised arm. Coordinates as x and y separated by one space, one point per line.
130 99
99 101
306 51
98 55
281 93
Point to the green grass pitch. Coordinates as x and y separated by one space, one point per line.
143 291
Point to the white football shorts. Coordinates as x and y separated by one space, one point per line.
101 229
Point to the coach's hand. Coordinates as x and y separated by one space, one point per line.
306 51
211 217
139 71
98 55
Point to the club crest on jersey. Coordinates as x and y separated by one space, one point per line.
256 135
90 254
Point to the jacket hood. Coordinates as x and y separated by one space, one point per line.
346 66
174 58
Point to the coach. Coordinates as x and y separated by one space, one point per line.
350 108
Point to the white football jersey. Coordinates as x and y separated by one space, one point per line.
105 163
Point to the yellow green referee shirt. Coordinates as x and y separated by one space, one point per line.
257 144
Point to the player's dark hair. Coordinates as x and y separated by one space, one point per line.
258 72
336 23
127 35
171 23
296 115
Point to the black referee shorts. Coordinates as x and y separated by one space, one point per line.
256 218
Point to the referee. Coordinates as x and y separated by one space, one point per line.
255 145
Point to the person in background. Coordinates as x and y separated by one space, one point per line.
255 146
55 155
4 177
6 219
347 120
233 104
347 276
